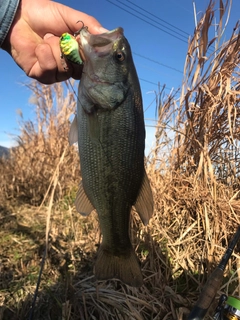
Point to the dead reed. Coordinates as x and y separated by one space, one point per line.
27 174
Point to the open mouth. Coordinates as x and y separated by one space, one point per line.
104 39
100 43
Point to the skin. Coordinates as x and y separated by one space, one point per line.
33 39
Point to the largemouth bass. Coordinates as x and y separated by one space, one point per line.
109 127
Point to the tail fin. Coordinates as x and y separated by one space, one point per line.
123 267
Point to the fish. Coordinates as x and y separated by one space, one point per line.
109 127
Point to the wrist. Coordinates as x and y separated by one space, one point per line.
8 10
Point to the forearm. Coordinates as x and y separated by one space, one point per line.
8 10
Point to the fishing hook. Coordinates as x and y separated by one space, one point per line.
83 27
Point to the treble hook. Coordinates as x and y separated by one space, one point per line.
83 27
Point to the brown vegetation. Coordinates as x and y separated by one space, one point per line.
194 172
43 150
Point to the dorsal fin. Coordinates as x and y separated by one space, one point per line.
73 133
144 203
82 203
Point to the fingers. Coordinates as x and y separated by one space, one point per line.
37 49
71 18
74 71
45 68
93 25
49 67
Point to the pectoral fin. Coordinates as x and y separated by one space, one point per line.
73 133
82 203
144 203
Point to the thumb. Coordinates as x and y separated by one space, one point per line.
72 18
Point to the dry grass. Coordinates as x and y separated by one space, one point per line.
208 110
29 172
194 175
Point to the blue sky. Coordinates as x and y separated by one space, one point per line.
164 45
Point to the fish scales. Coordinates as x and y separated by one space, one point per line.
112 168
111 139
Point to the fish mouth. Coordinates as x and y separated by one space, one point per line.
104 39
99 44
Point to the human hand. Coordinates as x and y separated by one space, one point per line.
33 39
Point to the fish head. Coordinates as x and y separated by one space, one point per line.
107 65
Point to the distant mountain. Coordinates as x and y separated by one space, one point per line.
4 151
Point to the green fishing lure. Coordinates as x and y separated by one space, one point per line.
70 49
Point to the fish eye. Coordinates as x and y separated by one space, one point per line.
120 56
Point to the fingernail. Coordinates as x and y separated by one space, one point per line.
48 35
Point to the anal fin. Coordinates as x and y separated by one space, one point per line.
82 203
144 203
